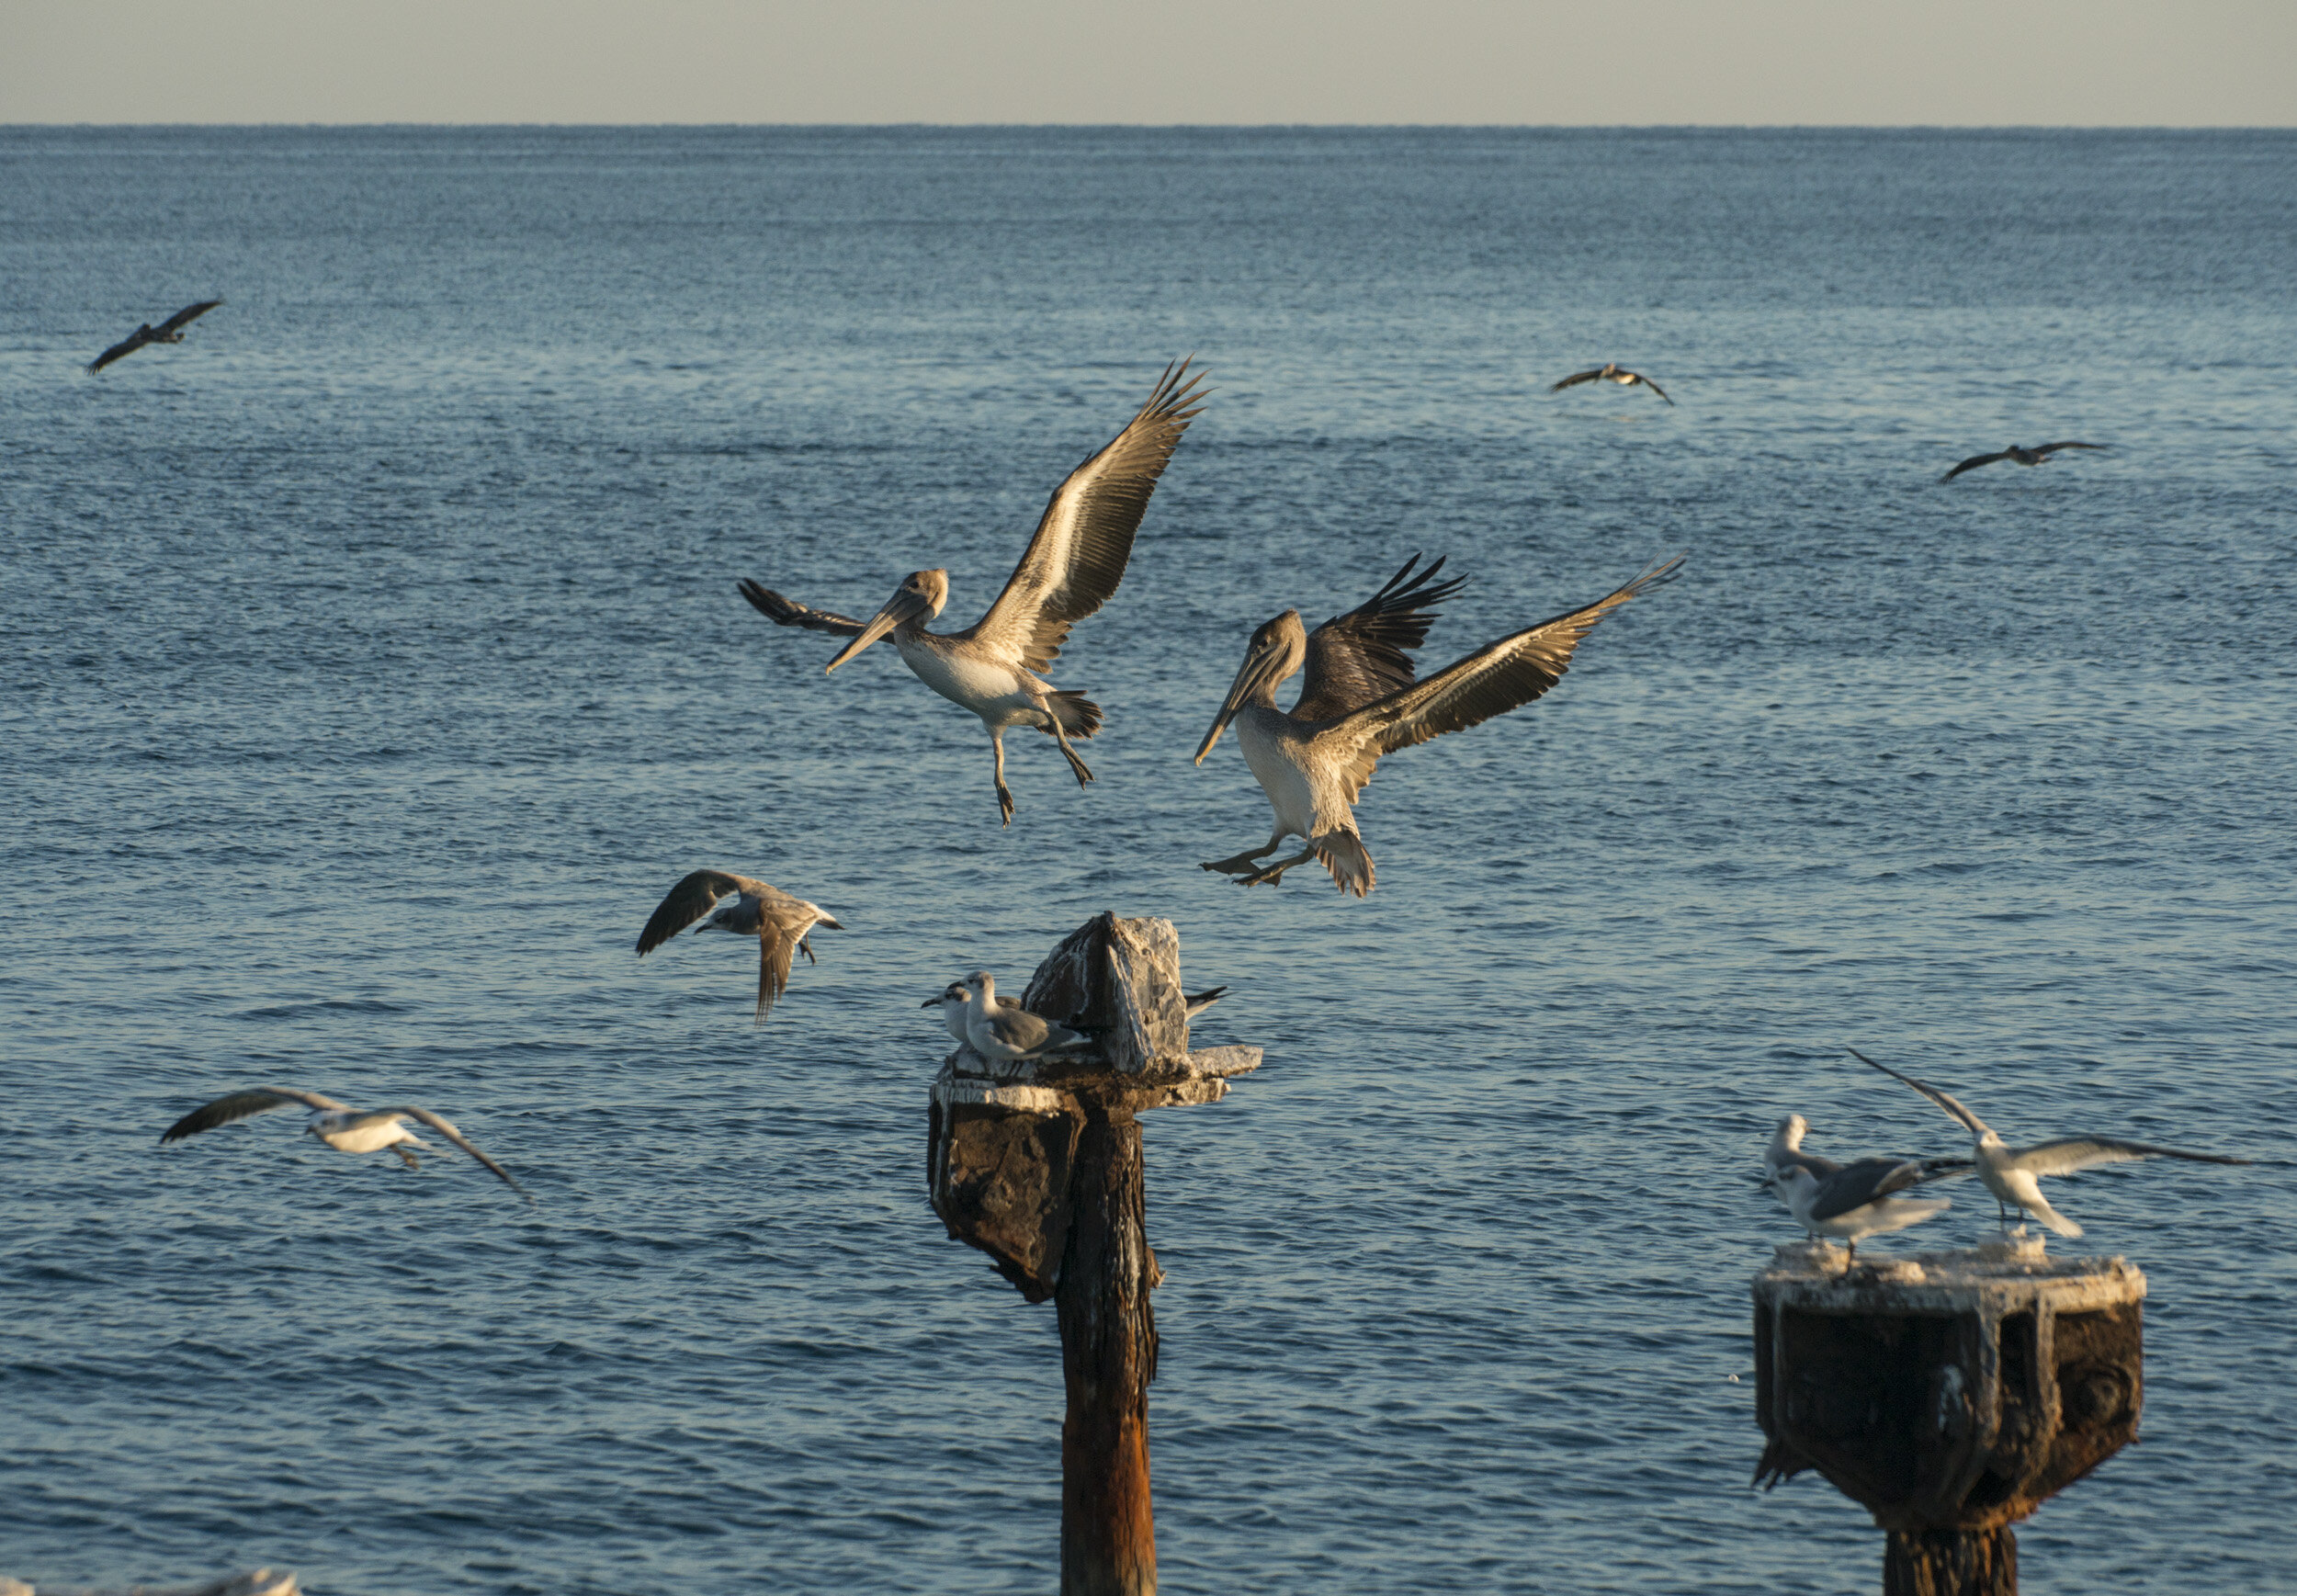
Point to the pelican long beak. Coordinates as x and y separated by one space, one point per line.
826 923
901 607
1257 670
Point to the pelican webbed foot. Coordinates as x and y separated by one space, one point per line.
407 1158
805 945
1242 864
1005 804
1272 875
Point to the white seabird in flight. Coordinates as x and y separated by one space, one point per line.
2014 1175
340 1126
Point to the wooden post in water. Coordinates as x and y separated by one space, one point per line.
1039 1164
1950 1395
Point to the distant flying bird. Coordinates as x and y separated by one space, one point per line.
2013 1175
168 332
780 922
1360 701
345 1129
1009 1033
1072 568
2032 456
1609 373
1857 1200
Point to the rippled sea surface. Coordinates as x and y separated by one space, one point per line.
374 663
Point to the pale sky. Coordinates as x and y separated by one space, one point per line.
2051 62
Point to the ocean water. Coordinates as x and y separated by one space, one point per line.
374 663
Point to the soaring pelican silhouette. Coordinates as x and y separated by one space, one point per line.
168 332
1612 373
2032 456
1071 568
2014 1175
782 924
344 1128
1360 701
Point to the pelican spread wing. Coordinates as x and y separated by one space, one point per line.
1577 378
1085 537
688 901
439 1122
2068 444
1357 658
1651 385
126 346
785 612
1973 463
240 1104
1493 680
2068 1154
185 316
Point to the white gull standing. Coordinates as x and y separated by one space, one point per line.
1007 1033
1857 1200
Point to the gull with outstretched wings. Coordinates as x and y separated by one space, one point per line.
781 923
1610 372
2024 457
1857 1200
168 332
1071 568
345 1128
2013 1175
1360 701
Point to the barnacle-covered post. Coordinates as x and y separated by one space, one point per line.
1950 1395
1039 1164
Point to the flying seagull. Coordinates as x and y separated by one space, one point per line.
1612 373
1071 568
780 922
1007 1031
342 1128
2032 456
168 332
1360 701
953 999
2014 1175
1857 1200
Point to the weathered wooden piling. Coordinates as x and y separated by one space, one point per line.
1949 1394
1039 1164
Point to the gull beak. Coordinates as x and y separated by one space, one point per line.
1256 667
902 607
933 1003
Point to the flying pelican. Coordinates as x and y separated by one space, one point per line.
168 332
2032 456
1072 566
953 999
1007 1031
780 922
1612 373
1360 702
1857 1200
341 1127
2014 1175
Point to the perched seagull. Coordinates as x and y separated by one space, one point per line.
1360 701
954 998
1857 1200
1609 373
2014 1175
342 1128
1785 1152
2032 456
1007 1031
168 332
1071 568
780 922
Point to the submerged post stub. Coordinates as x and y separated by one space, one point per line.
1039 1164
1949 1394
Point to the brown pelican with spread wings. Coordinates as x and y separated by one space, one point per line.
1071 568
344 1128
1360 701
2032 456
780 922
1612 373
168 332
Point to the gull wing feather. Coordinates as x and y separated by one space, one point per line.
689 900
1973 463
1576 377
1357 658
439 1122
1868 1180
777 950
240 1104
1970 1122
2068 1154
185 316
788 612
1493 680
1085 537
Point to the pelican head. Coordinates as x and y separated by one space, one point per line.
1276 650
916 601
